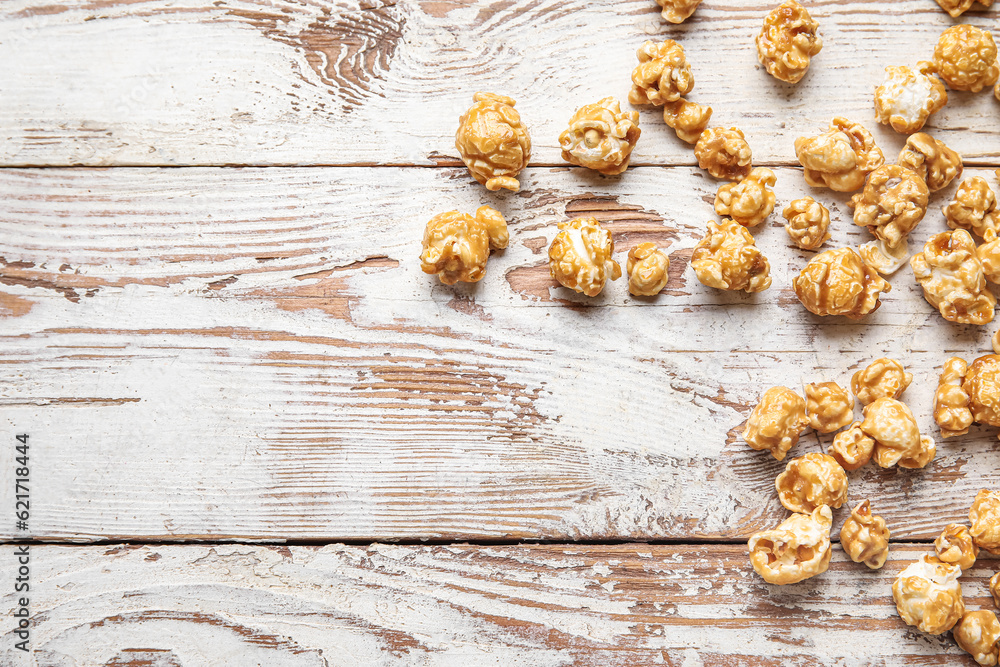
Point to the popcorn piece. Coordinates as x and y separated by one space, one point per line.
787 41
955 545
978 634
838 282
995 341
995 588
934 162
829 406
662 75
687 119
893 202
456 246
984 515
882 378
647 270
677 11
776 422
812 481
989 256
951 403
956 8
966 58
748 202
878 255
928 595
840 158
982 384
974 207
907 98
799 548
727 258
897 439
865 537
808 222
852 448
724 153
493 142
949 271
580 256
601 137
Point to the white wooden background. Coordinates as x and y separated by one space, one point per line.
244 348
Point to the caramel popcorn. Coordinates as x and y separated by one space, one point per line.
748 202
951 403
852 448
799 548
883 258
808 222
984 515
647 270
829 406
677 11
724 153
838 282
601 137
776 422
974 207
580 256
493 142
787 41
978 634
897 439
966 58
928 595
907 98
811 481
882 378
727 258
893 202
865 537
840 158
949 271
982 384
456 246
995 588
662 75
929 158
687 119
956 8
989 257
955 545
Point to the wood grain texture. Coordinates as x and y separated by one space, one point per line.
463 605
158 82
255 354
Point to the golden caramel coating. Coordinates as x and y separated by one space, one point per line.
951 403
580 256
840 158
882 378
727 258
893 202
995 588
493 142
978 634
995 341
838 282
808 222
456 246
811 481
662 75
865 537
928 595
974 207
748 202
989 257
776 422
984 515
724 153
601 137
897 438
687 119
852 448
907 98
952 277
797 549
787 41
982 384
930 159
955 545
677 11
956 8
829 407
966 58
647 270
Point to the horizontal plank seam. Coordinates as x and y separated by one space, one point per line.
978 164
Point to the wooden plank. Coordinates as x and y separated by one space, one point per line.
255 353
292 82
462 605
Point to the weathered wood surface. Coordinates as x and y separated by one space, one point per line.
157 82
255 354
463 605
